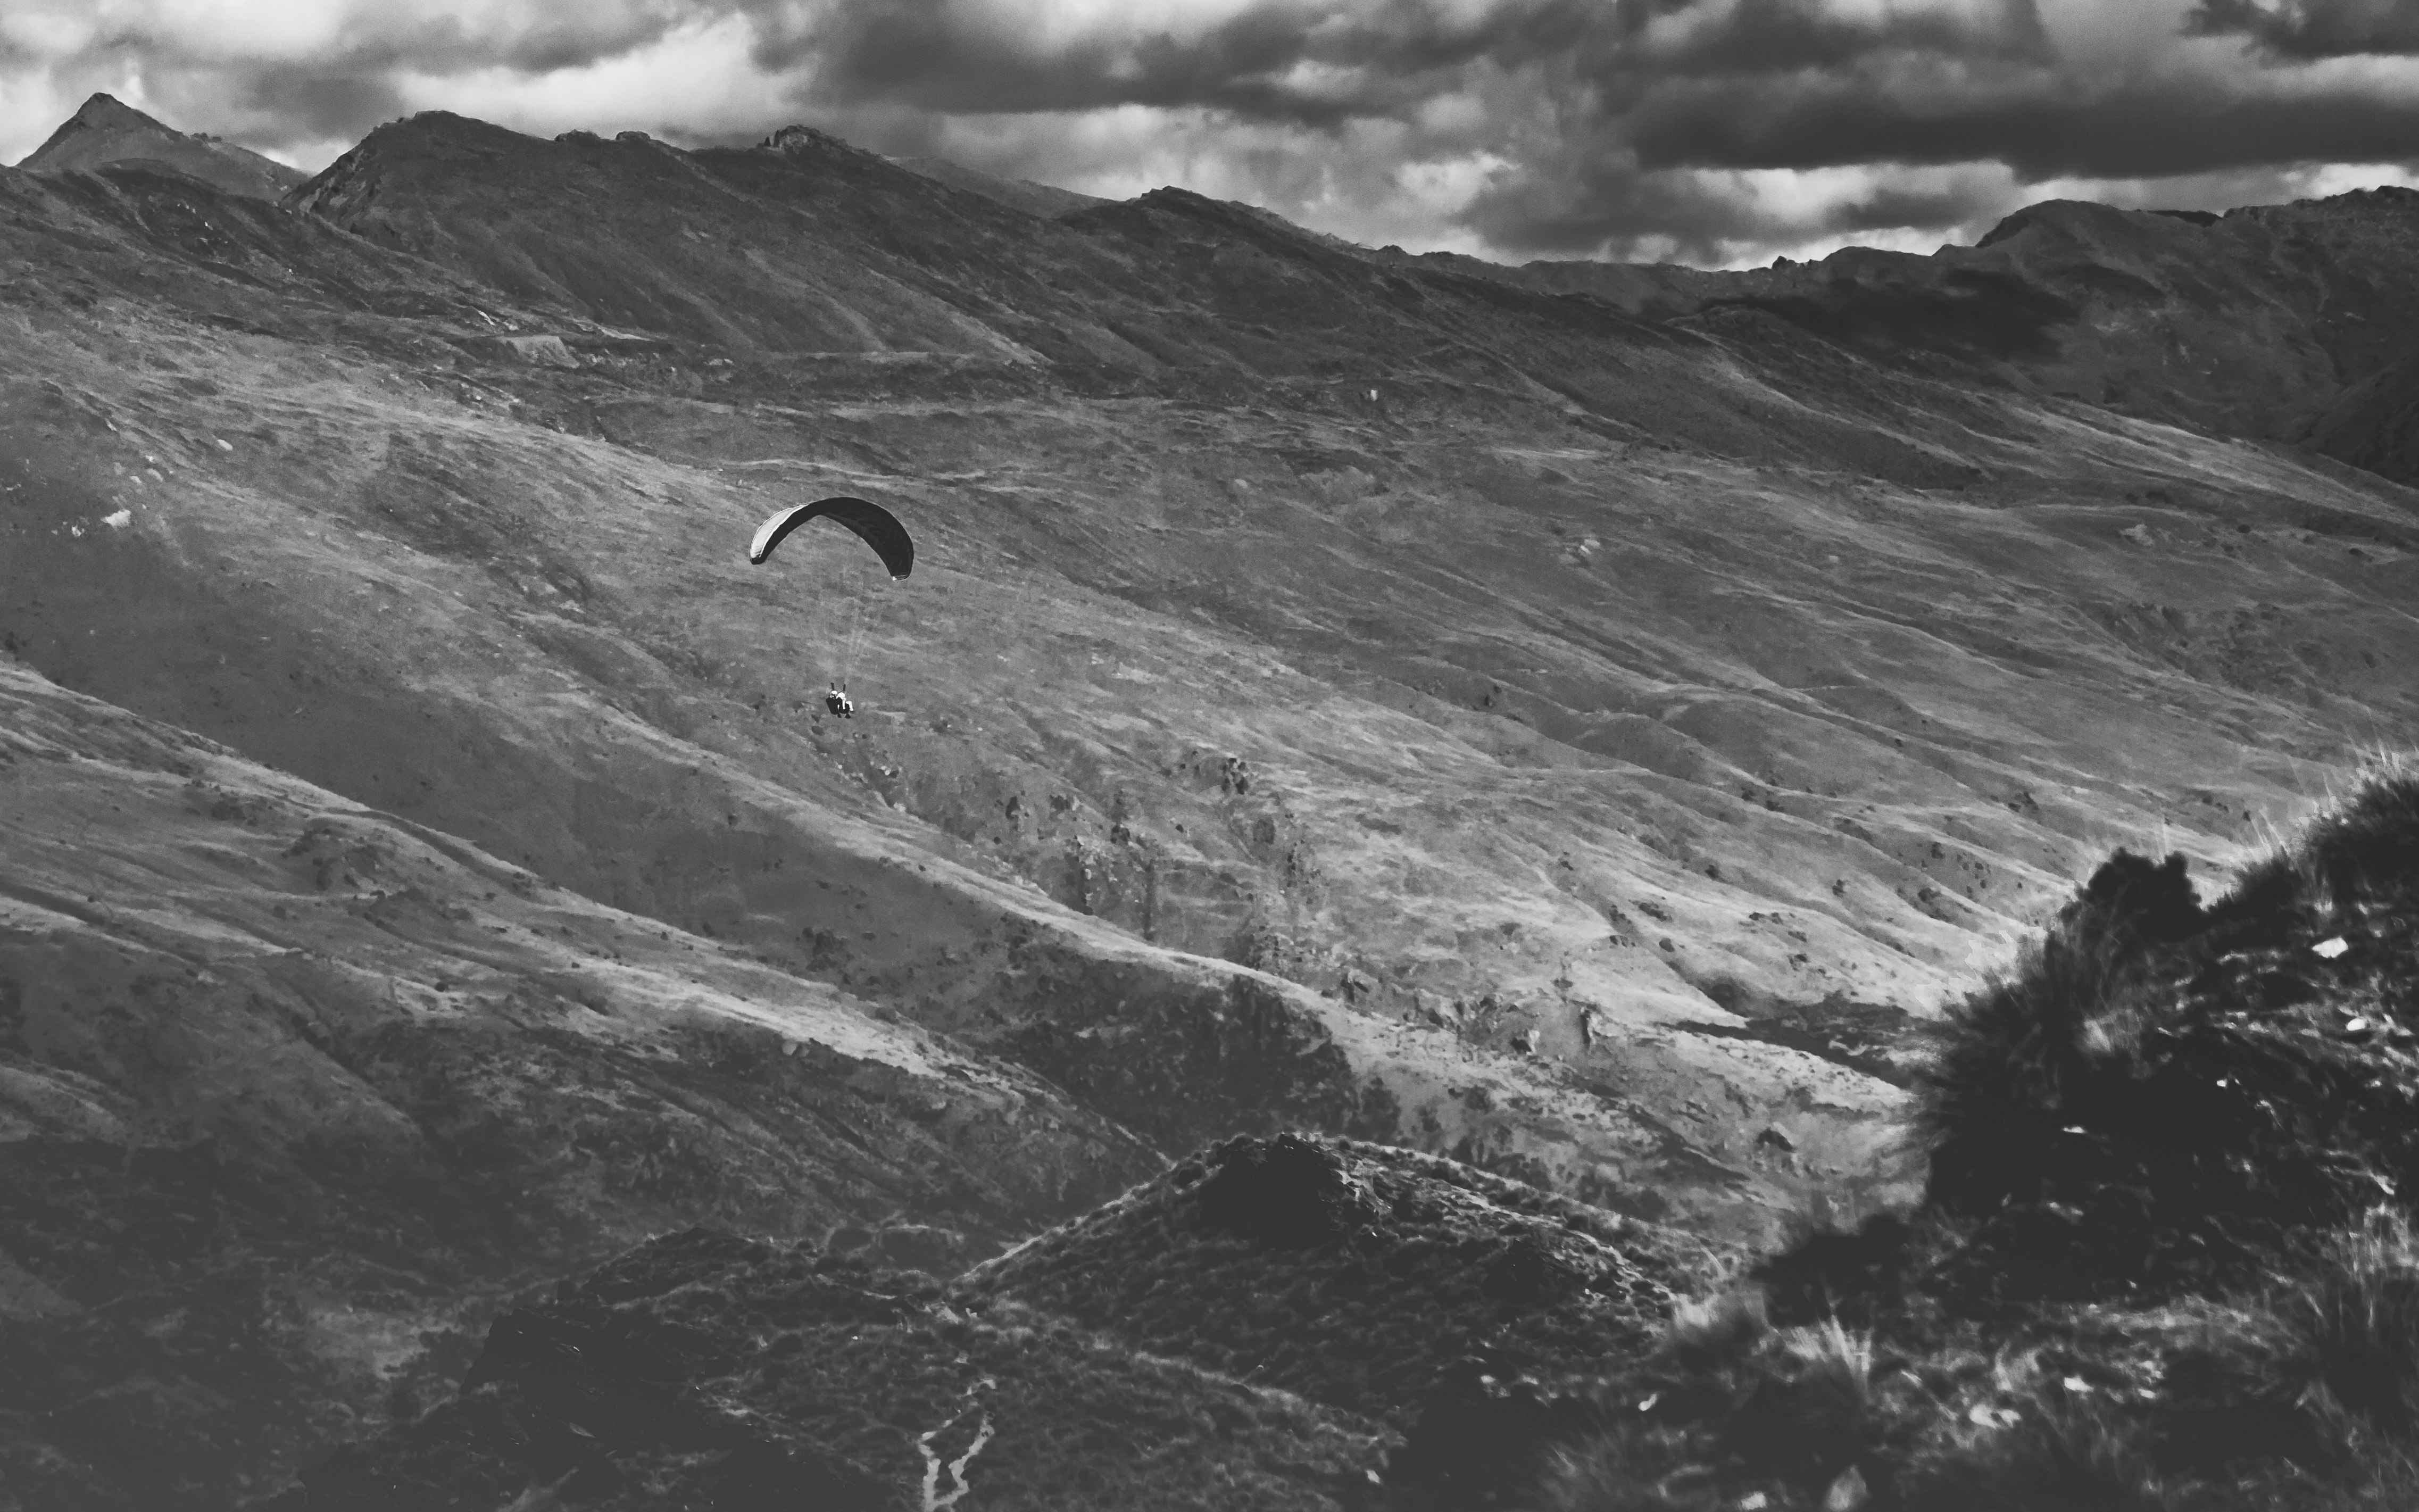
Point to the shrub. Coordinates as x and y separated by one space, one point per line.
2367 848
2009 1058
2268 905
2137 903
2136 1085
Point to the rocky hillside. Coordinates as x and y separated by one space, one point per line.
1389 701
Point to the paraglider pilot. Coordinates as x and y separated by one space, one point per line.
871 523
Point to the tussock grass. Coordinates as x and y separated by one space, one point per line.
1810 1413
2352 1322
2011 1056
2013 1060
1841 1362
2366 848
2048 1460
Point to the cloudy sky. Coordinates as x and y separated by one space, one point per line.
1708 131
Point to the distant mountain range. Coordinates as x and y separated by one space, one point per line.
2254 323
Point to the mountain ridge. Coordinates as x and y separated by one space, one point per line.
1045 200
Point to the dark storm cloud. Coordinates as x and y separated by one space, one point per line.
312 102
2310 29
2153 132
1766 37
1591 101
920 54
1610 203
1773 89
1892 209
1379 59
1612 207
396 38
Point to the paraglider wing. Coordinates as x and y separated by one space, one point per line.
876 526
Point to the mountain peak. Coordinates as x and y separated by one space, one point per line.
106 130
103 111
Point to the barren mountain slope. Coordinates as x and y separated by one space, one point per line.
107 133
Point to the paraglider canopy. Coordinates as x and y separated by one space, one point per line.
876 526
